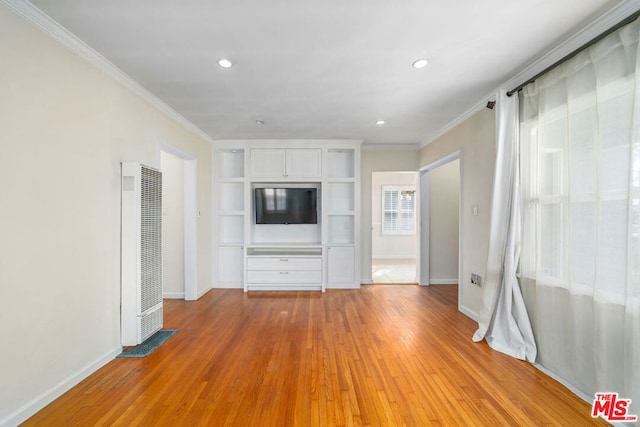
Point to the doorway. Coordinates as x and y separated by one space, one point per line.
394 227
441 230
179 223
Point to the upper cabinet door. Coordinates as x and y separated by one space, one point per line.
286 163
268 163
303 163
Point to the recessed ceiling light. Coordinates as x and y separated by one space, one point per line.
420 63
380 122
259 122
225 63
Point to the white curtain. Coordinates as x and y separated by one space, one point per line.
580 258
504 322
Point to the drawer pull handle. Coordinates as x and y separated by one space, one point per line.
284 272
284 259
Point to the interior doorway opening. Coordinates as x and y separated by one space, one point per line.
182 179
440 187
172 225
394 245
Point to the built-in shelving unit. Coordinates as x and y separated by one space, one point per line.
229 224
342 215
287 256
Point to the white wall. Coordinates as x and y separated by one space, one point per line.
389 245
375 161
443 220
66 127
475 137
172 225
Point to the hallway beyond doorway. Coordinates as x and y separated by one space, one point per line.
394 271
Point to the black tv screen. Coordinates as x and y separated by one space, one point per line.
286 205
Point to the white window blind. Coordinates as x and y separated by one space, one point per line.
398 209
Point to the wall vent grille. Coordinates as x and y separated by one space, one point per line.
150 323
141 268
150 238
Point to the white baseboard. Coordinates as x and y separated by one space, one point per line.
366 281
202 292
344 286
30 408
467 312
228 285
173 295
575 390
443 281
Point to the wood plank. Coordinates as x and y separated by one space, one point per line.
382 355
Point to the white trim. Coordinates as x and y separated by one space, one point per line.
173 295
423 182
575 390
33 406
343 286
202 292
425 194
366 281
565 383
587 33
437 282
468 312
442 161
390 146
459 120
228 285
191 215
578 39
63 36
285 143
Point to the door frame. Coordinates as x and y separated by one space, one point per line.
424 190
416 177
190 218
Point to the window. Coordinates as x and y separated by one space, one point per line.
579 191
398 209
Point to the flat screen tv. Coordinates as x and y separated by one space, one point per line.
286 205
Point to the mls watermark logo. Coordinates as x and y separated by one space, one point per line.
612 408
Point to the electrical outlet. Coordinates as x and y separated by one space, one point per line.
476 279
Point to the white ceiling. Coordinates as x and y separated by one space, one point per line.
322 68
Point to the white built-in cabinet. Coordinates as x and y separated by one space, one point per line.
340 268
229 214
286 163
287 257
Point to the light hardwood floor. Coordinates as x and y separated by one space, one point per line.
384 355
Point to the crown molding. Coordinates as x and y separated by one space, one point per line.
581 37
458 120
390 146
63 36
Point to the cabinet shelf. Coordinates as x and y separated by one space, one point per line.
340 163
231 163
341 229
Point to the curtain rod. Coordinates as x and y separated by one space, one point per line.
591 42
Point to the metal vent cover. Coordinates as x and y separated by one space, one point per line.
151 238
150 323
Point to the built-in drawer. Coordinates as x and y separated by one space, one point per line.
290 276
284 263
